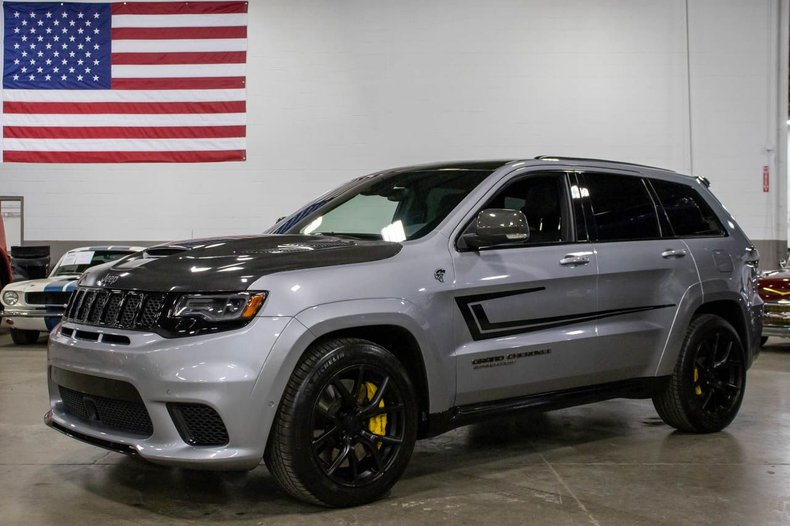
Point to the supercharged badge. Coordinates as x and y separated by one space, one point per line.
506 359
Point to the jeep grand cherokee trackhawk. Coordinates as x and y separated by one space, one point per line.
407 303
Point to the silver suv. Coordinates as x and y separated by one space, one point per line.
407 303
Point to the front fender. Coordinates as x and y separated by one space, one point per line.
439 369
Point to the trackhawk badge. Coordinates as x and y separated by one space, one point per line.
439 275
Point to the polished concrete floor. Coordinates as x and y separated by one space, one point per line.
611 463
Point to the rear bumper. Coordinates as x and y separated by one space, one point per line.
776 319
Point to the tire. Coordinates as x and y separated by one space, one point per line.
22 337
346 425
705 391
763 339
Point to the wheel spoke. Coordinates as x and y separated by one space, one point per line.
723 360
326 414
386 410
339 460
372 448
348 398
389 440
321 442
708 398
354 462
359 395
379 395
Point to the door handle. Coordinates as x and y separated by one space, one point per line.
575 259
672 253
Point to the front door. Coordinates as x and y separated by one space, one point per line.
526 313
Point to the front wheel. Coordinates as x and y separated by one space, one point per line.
22 337
705 391
346 425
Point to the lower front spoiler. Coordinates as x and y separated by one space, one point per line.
106 444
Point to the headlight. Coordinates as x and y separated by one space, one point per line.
219 307
10 297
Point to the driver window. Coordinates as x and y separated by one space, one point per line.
542 200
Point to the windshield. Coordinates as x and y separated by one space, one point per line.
75 263
394 207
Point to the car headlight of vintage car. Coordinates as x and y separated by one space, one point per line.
219 308
10 297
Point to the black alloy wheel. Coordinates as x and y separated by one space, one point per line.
718 373
346 425
706 389
358 424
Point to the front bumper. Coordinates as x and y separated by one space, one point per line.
29 319
776 319
222 371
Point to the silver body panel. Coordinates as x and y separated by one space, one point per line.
500 323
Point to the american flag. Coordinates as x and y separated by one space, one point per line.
124 82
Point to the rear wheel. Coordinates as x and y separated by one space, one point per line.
346 426
706 389
22 337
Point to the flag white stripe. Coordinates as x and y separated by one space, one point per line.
144 120
138 71
177 45
39 95
123 145
158 20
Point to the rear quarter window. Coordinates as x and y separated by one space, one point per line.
687 212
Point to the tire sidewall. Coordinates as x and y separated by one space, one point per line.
305 464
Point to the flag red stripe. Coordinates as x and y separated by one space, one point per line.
179 83
123 132
222 57
178 8
16 156
174 33
58 108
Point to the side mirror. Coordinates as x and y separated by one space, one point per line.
498 226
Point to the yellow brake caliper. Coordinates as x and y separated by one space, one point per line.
697 389
378 424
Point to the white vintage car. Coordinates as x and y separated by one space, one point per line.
35 306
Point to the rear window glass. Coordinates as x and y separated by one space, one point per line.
688 213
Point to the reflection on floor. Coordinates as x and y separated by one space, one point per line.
608 463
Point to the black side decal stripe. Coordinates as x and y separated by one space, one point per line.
481 328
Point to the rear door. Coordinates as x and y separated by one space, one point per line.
643 273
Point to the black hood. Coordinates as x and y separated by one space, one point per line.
230 264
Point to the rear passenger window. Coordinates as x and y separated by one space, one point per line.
687 212
622 208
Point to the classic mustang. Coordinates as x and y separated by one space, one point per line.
36 305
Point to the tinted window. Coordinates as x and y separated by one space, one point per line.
621 207
542 200
687 212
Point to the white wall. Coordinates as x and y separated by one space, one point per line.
338 89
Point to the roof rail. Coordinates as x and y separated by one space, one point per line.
587 159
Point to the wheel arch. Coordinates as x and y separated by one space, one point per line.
397 325
400 342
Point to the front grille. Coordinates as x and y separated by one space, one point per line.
116 308
121 415
47 298
776 314
198 424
